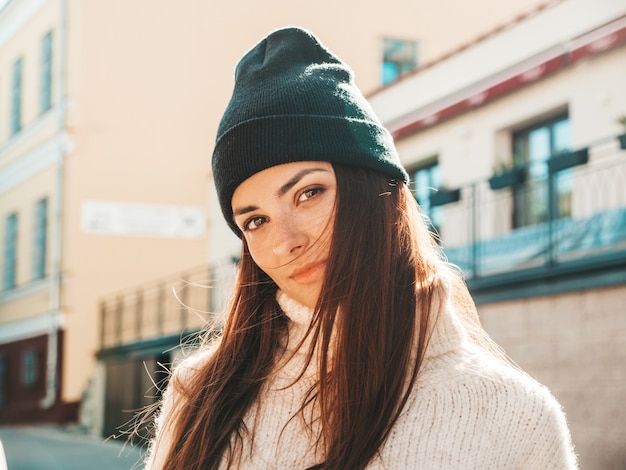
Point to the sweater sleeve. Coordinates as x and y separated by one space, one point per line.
551 446
160 444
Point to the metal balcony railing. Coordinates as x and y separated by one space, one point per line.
566 213
572 213
172 306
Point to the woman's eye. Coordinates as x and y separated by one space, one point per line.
254 223
309 193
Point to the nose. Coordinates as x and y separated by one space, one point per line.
289 238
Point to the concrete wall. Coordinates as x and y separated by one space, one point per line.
574 344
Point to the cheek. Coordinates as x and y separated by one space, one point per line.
326 226
260 251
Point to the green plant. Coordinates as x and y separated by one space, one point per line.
503 166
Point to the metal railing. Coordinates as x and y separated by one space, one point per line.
583 215
567 213
173 305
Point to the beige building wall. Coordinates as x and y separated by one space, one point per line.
144 84
151 94
135 110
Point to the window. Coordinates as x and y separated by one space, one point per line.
40 239
30 368
16 97
399 58
10 252
45 99
425 180
533 147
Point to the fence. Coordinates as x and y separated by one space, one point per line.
566 213
571 212
173 305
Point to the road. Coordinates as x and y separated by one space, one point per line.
59 448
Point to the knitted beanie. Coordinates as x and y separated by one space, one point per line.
294 101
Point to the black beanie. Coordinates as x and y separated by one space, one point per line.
295 101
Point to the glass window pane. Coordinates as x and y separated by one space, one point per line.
562 136
10 252
46 73
436 178
16 97
422 186
390 73
534 146
424 183
30 368
40 239
538 151
399 57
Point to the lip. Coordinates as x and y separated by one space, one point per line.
308 272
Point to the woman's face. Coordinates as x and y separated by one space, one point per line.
286 214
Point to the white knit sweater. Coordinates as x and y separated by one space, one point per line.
468 411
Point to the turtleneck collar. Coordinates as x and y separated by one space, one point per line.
299 315
448 331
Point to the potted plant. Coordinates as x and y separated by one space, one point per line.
506 175
568 159
444 196
622 137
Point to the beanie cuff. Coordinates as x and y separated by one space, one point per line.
257 144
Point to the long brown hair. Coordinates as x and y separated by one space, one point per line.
375 303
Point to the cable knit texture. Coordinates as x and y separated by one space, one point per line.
468 411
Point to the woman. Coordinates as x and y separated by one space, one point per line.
349 343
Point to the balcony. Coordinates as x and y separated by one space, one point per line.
162 314
577 241
574 235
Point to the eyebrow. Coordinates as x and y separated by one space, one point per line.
294 180
282 190
244 210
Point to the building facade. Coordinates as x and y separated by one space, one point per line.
108 111
113 247
517 149
92 194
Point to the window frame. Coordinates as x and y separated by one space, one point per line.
534 192
394 62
